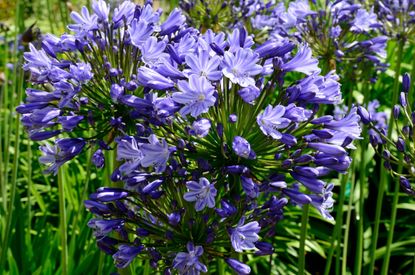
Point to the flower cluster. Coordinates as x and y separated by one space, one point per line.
398 154
398 17
211 139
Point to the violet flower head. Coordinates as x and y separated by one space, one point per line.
188 262
204 65
302 62
241 66
244 236
196 96
202 192
364 21
271 120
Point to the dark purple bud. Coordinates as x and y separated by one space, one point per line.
156 194
306 171
116 91
264 248
242 37
321 120
174 218
387 165
96 207
217 49
126 254
142 232
226 210
406 83
288 139
152 186
400 145
250 187
396 111
386 154
287 163
404 182
103 227
249 94
324 134
236 169
364 114
239 267
297 196
219 129
348 140
406 130
98 159
106 194
37 136
116 175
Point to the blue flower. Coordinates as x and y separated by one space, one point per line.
201 127
155 153
140 31
101 9
85 22
153 52
204 65
126 254
241 66
173 22
302 62
364 21
202 192
152 79
129 151
196 96
188 263
124 12
243 237
271 120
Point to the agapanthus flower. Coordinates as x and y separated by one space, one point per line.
207 130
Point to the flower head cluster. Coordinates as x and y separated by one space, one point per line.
212 140
398 17
397 151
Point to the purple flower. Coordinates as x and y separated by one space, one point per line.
249 94
204 65
173 22
153 52
152 79
243 237
196 96
140 31
124 12
364 21
128 150
302 62
242 148
126 254
250 187
82 72
349 125
69 122
84 22
201 127
103 227
188 263
239 267
155 153
241 66
101 9
202 192
271 119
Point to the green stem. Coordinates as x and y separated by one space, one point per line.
9 213
62 217
301 256
337 227
384 176
386 258
362 181
221 267
347 228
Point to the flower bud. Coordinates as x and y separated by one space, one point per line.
364 115
396 111
406 83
